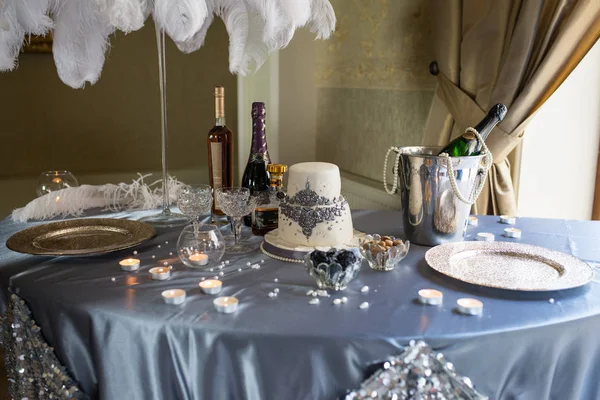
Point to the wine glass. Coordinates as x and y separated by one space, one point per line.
236 203
195 201
51 181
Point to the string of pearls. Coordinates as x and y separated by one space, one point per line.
487 163
396 164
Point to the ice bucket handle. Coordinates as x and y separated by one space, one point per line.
487 163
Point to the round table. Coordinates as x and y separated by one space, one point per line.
120 341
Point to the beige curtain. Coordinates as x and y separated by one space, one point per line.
515 52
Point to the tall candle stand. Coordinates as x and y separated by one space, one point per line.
166 218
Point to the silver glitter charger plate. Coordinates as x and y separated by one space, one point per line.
511 266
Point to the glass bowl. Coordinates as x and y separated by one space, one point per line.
51 181
333 269
200 246
383 252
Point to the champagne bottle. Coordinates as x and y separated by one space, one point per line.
467 144
220 150
265 218
256 177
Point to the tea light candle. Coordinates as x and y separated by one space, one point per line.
470 306
473 221
226 305
199 259
431 297
160 273
485 237
512 233
505 219
173 296
211 286
129 264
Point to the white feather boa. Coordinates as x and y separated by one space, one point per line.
82 28
74 201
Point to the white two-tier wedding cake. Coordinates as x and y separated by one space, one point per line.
314 213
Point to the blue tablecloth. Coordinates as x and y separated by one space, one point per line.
119 340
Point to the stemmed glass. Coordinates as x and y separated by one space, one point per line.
198 246
236 203
195 201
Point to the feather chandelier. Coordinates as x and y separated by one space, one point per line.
82 28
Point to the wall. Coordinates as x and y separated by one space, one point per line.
560 148
298 100
374 87
112 127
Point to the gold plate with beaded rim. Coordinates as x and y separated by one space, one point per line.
80 237
510 266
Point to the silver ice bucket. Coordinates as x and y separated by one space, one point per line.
435 207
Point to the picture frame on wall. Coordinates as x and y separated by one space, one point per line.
38 44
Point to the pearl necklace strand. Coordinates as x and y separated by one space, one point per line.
396 164
487 163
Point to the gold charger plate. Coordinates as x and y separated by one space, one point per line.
79 237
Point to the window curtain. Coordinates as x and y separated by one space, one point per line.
515 52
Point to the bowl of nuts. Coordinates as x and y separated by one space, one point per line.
383 252
333 269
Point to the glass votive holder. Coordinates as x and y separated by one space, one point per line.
383 252
200 246
333 269
51 181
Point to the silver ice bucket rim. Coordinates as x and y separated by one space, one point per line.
419 151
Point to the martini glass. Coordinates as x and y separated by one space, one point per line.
236 203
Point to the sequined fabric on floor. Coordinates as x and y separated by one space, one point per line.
418 373
33 370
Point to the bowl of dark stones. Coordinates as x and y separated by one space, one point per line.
333 269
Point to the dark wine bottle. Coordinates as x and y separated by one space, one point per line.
467 144
220 150
256 177
266 217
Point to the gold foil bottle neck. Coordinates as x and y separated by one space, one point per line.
219 102
277 169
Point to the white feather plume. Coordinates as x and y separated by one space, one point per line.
12 35
74 201
197 41
298 11
82 27
125 15
80 41
322 19
245 26
32 15
180 19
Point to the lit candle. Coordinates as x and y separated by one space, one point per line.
211 286
173 296
56 180
199 259
512 233
470 306
505 219
226 305
431 296
160 273
129 264
485 237
473 221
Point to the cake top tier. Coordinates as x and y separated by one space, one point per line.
323 178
